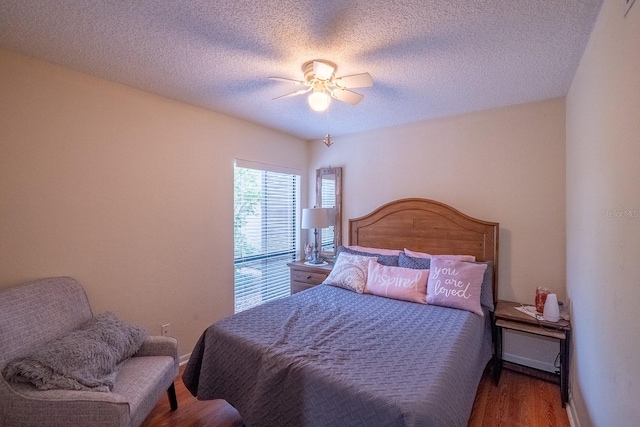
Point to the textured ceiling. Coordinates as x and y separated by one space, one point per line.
427 58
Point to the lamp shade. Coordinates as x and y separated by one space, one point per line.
315 218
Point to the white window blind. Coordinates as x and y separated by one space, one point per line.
265 234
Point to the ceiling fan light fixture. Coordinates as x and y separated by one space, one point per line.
319 100
322 84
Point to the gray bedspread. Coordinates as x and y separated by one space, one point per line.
331 357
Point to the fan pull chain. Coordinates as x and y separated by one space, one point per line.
327 139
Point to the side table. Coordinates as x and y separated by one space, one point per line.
305 276
507 317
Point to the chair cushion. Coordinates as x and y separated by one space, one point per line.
23 404
140 382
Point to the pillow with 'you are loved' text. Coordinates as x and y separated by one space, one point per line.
455 284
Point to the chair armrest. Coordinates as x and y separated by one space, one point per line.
159 346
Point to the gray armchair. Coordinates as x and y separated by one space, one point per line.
37 312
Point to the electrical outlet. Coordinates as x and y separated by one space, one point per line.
165 330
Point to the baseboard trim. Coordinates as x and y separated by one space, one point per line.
574 421
532 363
184 359
532 372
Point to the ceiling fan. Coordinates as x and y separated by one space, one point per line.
320 80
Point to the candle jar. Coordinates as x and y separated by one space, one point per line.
541 298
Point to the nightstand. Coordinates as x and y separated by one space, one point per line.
304 276
507 317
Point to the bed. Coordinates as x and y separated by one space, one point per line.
328 356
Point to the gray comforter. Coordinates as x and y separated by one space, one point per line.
331 357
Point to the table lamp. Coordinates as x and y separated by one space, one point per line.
315 218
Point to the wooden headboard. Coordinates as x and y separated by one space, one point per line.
428 226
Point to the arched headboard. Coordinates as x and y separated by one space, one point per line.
425 225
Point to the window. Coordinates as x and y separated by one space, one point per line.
265 233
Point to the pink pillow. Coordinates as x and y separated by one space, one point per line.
397 282
469 258
456 284
374 251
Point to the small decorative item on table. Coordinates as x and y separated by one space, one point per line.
308 251
551 309
541 298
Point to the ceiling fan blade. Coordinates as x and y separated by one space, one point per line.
355 80
347 96
298 92
322 71
283 79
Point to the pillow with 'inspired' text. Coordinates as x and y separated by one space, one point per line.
456 284
397 282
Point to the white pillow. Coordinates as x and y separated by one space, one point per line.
350 272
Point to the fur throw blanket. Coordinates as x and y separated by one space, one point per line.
85 359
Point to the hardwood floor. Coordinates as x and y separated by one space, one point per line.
519 401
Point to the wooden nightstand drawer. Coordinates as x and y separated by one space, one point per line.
301 286
307 277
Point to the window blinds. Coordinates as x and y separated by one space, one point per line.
265 234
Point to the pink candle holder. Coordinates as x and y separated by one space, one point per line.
541 298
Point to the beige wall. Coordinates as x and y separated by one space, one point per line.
128 192
131 194
504 165
603 221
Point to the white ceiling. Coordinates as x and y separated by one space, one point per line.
427 58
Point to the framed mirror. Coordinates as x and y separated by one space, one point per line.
329 195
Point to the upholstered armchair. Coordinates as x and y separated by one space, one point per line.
37 312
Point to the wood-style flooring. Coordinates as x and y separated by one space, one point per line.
518 401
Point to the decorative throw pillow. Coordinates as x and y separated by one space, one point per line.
350 272
375 251
456 284
486 294
407 261
382 258
397 282
468 258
